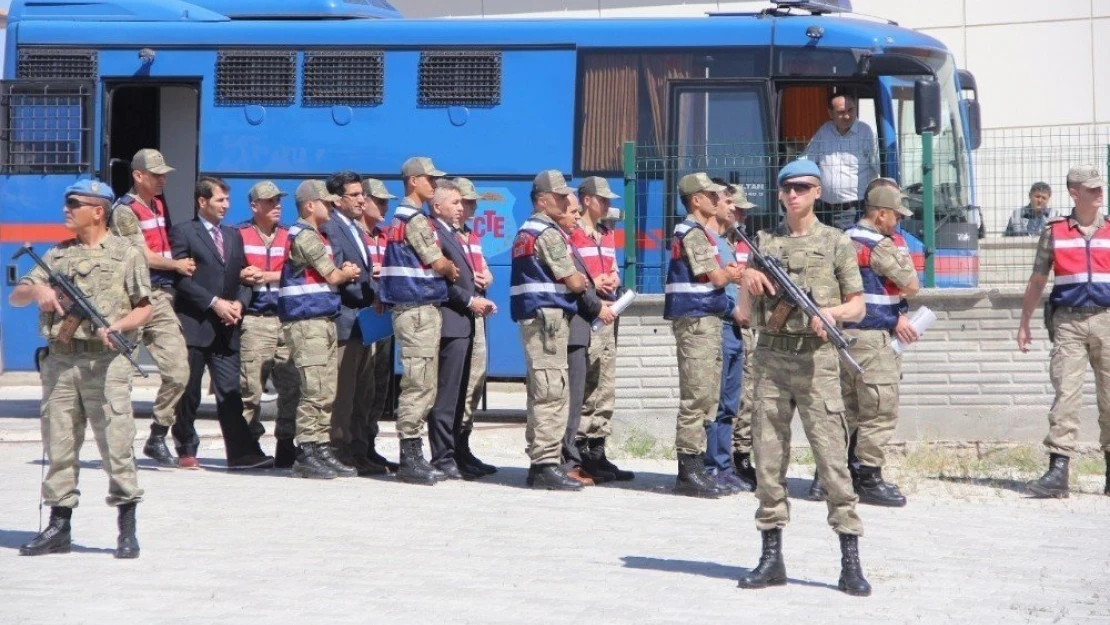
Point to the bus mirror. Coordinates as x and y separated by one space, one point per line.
926 106
974 123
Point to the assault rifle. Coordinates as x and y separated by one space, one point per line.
78 308
792 297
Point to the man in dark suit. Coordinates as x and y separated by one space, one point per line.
210 306
458 313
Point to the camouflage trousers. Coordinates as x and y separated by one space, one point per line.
545 339
477 382
264 354
871 398
742 424
380 399
699 380
312 347
417 332
163 339
807 378
601 383
1081 338
93 386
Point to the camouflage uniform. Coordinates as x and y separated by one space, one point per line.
795 369
742 424
264 354
84 380
601 381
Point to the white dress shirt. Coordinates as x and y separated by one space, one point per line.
848 162
357 234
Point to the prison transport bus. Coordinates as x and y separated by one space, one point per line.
298 89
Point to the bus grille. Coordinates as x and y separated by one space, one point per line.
256 77
343 77
460 78
51 63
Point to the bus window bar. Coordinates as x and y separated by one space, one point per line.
267 77
46 128
460 78
54 63
344 77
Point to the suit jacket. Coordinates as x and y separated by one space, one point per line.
589 306
458 319
356 295
213 278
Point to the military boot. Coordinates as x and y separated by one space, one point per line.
550 477
851 573
307 465
745 472
816 489
55 538
1106 489
873 490
771 570
463 450
590 465
325 455
693 481
127 545
413 468
597 448
156 448
285 454
1054 483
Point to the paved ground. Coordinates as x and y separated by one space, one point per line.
265 548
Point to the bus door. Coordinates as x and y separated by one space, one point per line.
153 114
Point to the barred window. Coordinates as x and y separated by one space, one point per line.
462 78
50 63
45 127
256 77
343 77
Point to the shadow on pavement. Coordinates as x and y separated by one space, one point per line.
13 539
704 569
988 482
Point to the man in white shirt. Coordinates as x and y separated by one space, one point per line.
846 151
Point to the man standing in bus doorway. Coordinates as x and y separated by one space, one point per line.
596 246
365 431
846 150
742 422
264 354
543 297
1077 250
796 367
694 303
413 282
469 464
140 216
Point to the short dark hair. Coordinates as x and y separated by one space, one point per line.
206 188
846 96
338 181
729 188
534 195
1040 187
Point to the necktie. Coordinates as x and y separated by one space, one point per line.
218 237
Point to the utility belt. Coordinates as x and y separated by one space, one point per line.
78 346
794 343
1080 310
262 314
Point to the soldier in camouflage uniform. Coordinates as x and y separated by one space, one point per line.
742 422
85 379
796 367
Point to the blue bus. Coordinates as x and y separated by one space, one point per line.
297 89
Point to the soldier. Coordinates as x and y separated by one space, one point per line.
308 302
264 353
140 216
475 386
742 422
543 297
795 366
694 302
596 246
1077 250
85 379
414 280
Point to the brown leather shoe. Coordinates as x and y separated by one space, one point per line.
580 476
188 462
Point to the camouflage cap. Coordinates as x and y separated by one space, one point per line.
695 183
265 190
889 198
467 189
420 166
314 190
596 185
551 181
150 160
740 198
1085 175
376 188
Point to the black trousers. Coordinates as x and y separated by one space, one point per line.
576 380
446 415
223 366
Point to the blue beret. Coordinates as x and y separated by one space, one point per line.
91 188
799 168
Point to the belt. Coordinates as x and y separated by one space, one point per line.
795 343
168 288
1080 310
77 346
262 314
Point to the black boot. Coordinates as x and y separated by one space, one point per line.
550 477
851 573
816 489
55 538
469 460
692 479
414 469
285 454
381 460
1106 489
127 545
745 472
450 469
771 570
873 490
597 447
307 465
325 455
1054 483
591 465
156 448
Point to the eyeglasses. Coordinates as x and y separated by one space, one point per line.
796 187
354 196
73 203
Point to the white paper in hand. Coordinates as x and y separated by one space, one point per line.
921 321
617 307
